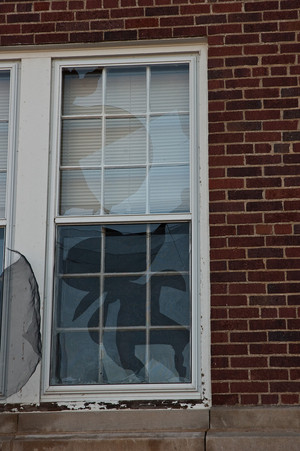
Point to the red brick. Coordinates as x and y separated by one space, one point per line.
24 7
245 218
280 15
224 29
287 263
245 229
60 5
290 398
229 399
264 206
249 387
229 349
227 374
246 265
269 374
268 348
284 288
96 4
227 325
228 254
11 29
194 9
262 6
249 362
63 16
76 4
269 399
278 59
190 31
227 7
285 386
51 38
269 313
71 26
155 33
242 83
86 37
38 28
289 26
266 276
219 312
105 24
242 61
267 300
210 19
41 6
220 387
278 70
17 39
121 34
261 49
19 18
247 288
244 312
267 324
162 11
243 105
262 115
287 312
223 300
283 229
288 4
7 8
262 137
244 172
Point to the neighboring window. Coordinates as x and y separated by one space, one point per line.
125 315
7 113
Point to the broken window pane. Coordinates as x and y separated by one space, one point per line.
120 298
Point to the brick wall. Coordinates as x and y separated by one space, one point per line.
254 152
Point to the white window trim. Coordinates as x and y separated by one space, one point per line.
32 239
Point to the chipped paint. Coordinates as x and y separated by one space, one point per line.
98 406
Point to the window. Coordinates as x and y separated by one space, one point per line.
125 317
110 208
7 130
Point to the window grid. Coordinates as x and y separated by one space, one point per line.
148 326
104 116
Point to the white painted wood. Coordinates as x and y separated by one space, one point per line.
30 217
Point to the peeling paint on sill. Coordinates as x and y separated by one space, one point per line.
98 406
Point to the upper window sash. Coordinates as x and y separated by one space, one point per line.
125 167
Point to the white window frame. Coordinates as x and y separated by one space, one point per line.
193 390
7 222
33 202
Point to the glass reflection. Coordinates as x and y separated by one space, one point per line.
142 165
77 359
117 288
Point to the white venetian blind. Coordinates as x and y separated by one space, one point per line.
128 151
4 116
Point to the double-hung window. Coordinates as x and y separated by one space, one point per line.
125 236
8 74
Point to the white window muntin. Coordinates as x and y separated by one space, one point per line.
6 219
137 391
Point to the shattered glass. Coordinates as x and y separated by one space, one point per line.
115 288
